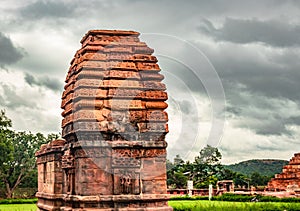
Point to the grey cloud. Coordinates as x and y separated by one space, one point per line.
263 115
272 32
294 120
2 101
45 8
257 86
269 127
30 79
271 72
12 100
44 81
185 106
233 110
9 54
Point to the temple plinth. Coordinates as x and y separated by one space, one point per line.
113 156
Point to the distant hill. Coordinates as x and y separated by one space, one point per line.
266 167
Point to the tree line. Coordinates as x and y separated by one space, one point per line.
207 169
17 160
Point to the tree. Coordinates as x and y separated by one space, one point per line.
5 122
205 170
207 167
227 174
209 155
241 180
258 179
17 151
175 173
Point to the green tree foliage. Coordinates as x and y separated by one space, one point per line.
258 179
175 173
241 180
267 167
207 169
17 160
209 155
5 122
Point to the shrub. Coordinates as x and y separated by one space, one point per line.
186 197
18 201
237 198
233 197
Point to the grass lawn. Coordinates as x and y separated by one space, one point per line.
232 206
18 207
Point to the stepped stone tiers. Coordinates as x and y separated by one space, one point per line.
113 156
289 179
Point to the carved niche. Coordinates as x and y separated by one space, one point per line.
126 181
68 164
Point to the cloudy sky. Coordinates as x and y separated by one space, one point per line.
232 67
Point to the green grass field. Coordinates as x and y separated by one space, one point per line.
232 206
18 207
195 205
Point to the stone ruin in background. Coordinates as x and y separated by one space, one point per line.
113 156
289 179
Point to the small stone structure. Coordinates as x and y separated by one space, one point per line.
289 179
113 156
224 186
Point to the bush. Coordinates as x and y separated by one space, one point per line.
186 197
179 198
233 197
236 198
18 201
232 206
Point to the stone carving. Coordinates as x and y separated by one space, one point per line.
114 126
138 153
67 161
126 182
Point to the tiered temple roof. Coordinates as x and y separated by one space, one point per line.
290 176
114 80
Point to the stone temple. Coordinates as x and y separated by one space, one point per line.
113 152
289 179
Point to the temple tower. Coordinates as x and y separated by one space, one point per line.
289 178
114 127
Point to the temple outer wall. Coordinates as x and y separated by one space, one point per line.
50 176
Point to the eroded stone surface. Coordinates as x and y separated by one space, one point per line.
114 126
289 178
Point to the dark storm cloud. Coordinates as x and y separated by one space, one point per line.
272 32
295 120
269 127
45 9
9 54
263 115
44 81
264 83
258 81
271 72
